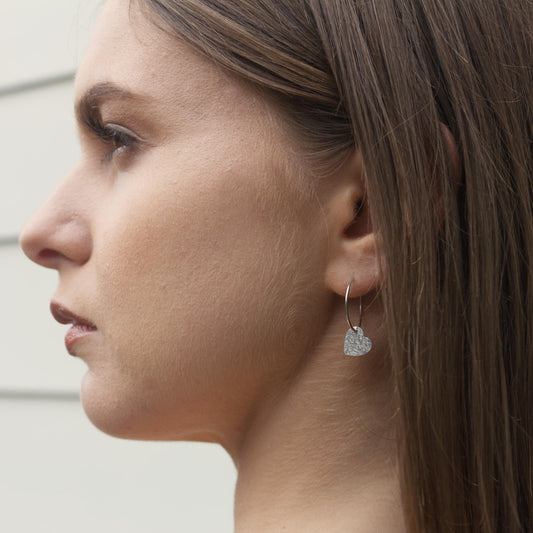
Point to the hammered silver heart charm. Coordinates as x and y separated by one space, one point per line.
355 342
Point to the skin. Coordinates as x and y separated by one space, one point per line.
213 264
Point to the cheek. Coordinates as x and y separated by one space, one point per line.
194 247
204 280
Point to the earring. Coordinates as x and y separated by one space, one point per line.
355 342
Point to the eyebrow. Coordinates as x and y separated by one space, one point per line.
87 108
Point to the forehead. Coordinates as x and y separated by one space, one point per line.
128 50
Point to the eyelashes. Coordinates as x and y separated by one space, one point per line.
117 140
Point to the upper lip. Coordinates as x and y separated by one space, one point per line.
64 316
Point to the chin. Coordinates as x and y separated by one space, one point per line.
124 413
107 410
116 411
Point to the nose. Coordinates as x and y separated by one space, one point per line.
58 232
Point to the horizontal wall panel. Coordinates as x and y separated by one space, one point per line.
39 145
39 38
33 355
60 474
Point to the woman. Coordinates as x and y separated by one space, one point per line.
253 174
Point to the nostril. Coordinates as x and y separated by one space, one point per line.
47 257
47 253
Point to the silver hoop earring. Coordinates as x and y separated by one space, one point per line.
355 342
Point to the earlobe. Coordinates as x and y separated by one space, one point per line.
352 247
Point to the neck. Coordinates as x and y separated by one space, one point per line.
321 455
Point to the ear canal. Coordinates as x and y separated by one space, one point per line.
350 230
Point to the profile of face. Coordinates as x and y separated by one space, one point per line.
183 235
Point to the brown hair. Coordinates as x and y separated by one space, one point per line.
385 75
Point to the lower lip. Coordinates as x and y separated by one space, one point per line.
75 333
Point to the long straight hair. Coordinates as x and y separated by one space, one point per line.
390 76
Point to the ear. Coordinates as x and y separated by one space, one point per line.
352 244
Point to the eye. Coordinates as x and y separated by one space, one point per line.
120 138
114 140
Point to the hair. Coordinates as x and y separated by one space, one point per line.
390 77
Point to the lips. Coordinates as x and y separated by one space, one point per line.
81 327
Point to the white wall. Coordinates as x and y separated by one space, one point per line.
57 472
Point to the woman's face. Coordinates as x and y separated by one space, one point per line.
186 233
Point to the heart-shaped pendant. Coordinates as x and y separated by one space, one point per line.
355 342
